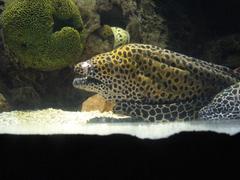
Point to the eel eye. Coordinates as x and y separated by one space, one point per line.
83 68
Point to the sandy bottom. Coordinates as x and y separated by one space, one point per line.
54 121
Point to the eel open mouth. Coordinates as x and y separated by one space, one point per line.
80 81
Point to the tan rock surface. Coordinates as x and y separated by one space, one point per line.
97 103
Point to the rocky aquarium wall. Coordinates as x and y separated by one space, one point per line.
204 29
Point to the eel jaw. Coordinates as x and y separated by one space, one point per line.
81 82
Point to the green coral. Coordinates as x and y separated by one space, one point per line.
43 34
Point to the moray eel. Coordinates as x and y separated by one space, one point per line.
154 84
225 105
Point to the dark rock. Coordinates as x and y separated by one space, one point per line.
25 97
4 105
225 51
89 15
148 27
96 45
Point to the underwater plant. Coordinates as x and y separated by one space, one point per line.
43 34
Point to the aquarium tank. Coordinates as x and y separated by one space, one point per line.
147 68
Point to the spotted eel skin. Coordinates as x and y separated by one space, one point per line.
154 84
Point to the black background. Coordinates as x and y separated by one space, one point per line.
119 156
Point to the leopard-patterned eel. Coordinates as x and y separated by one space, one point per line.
225 105
156 84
